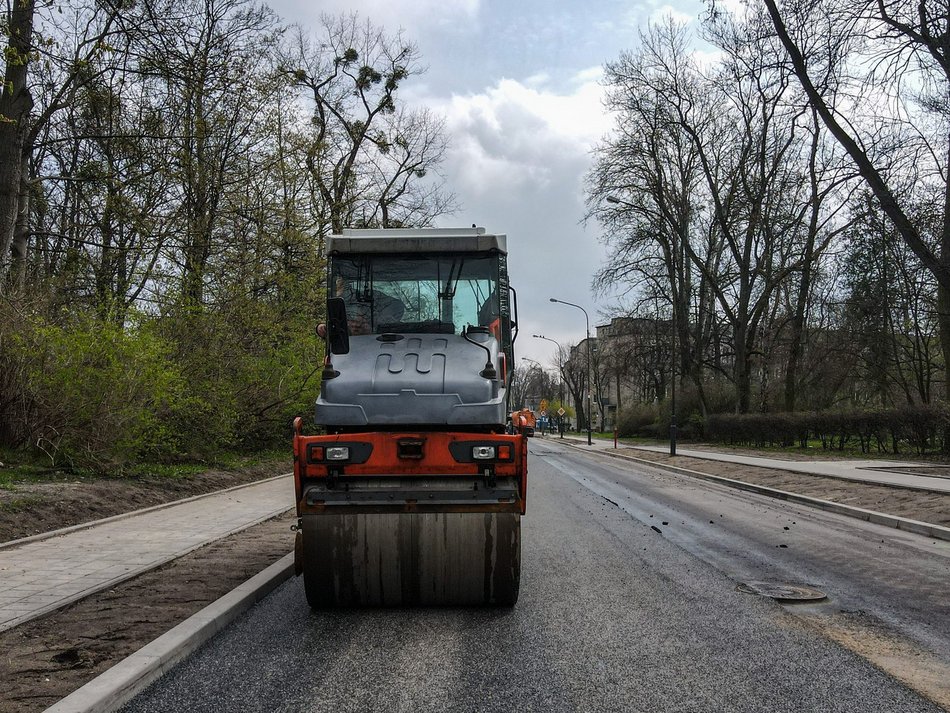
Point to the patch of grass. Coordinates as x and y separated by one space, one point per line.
813 449
19 468
609 436
851 450
232 461
17 504
13 473
228 461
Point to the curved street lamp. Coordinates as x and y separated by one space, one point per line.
590 396
560 365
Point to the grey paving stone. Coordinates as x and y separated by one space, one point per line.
45 574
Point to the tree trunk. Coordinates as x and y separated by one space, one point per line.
741 370
796 345
21 231
943 293
581 412
15 105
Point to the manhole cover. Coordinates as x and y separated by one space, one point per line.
783 592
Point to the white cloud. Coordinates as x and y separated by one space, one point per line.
519 87
739 8
516 134
538 80
660 14
656 12
591 75
707 58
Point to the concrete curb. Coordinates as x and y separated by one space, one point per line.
119 684
900 523
121 516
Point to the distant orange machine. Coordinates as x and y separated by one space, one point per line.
524 421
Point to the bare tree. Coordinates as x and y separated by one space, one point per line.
208 58
725 202
371 161
105 195
646 185
405 178
24 114
905 46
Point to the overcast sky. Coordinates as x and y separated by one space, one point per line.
519 84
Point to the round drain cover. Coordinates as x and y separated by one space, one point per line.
783 592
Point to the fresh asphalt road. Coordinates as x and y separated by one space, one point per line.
613 615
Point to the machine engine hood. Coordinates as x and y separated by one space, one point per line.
413 379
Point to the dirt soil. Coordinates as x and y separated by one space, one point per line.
46 659
32 507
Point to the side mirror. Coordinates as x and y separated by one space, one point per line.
337 329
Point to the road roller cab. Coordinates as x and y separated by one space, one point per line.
414 493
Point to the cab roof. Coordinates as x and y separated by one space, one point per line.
417 240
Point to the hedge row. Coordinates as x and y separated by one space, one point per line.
920 429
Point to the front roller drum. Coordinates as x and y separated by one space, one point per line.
405 559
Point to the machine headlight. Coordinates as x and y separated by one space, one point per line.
483 452
338 453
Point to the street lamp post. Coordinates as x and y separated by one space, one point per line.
673 383
534 364
590 396
560 381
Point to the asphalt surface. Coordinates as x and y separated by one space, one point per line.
619 611
895 579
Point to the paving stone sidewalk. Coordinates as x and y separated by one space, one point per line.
39 576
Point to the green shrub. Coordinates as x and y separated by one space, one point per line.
193 386
248 372
637 420
93 394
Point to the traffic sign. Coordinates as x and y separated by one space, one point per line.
561 412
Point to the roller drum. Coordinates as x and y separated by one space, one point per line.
405 559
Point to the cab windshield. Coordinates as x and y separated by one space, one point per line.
436 294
